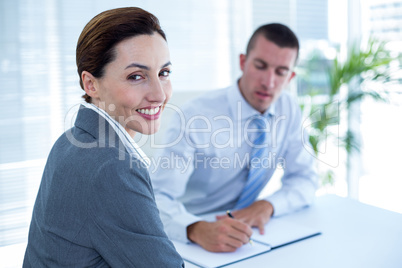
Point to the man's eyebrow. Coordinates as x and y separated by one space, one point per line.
266 64
141 66
261 61
284 67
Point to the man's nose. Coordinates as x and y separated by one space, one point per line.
268 79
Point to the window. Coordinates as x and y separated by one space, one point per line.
39 81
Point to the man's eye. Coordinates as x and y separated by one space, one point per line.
260 66
282 72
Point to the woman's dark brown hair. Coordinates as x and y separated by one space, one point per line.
97 42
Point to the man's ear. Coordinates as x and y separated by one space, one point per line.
89 82
292 75
242 59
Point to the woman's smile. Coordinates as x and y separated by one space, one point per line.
150 113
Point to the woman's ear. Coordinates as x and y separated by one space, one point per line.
89 82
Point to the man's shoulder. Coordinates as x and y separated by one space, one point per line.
286 95
287 102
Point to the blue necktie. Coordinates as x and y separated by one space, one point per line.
255 179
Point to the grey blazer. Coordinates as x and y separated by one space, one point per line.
95 206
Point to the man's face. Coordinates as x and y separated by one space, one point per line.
267 70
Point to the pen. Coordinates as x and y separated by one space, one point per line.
231 216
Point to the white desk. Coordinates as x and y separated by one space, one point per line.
353 235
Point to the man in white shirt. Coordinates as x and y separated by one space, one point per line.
213 161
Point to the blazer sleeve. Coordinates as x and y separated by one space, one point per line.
126 228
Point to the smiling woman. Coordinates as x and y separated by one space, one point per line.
135 86
124 69
95 205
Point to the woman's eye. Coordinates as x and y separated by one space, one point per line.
165 73
135 77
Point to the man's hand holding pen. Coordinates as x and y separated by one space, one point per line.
256 215
224 235
232 230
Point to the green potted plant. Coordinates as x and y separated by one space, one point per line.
362 69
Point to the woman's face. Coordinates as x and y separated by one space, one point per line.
136 86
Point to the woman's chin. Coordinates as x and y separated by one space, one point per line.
149 129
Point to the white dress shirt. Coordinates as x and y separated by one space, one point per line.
204 165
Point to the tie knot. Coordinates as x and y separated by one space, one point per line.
260 122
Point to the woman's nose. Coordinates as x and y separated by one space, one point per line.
157 92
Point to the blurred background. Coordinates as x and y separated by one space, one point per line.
348 84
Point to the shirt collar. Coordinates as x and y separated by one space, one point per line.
240 108
131 146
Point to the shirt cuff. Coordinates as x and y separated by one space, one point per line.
279 203
177 229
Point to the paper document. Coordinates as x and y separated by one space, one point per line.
278 232
197 255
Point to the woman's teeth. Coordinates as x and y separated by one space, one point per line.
149 111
